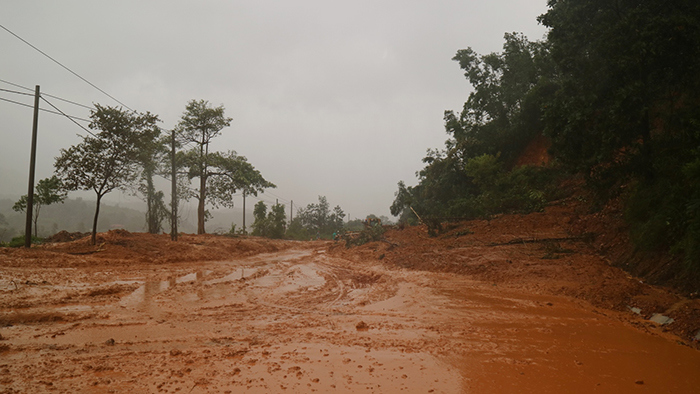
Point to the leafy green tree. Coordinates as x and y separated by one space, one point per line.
108 161
503 112
277 221
296 230
318 220
260 224
626 110
272 224
199 124
152 154
220 174
628 84
469 177
226 174
48 191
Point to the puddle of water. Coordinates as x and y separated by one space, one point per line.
293 279
144 294
242 273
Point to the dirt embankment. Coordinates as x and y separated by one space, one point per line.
565 250
515 304
122 247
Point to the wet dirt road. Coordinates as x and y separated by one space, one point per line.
302 320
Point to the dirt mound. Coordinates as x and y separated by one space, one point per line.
124 247
65 236
547 253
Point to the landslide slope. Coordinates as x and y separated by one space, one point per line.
565 250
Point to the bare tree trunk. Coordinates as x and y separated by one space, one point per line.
151 210
200 207
93 239
36 219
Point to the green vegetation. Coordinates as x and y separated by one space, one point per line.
108 160
474 175
272 224
368 234
220 175
626 111
18 242
615 88
48 191
316 221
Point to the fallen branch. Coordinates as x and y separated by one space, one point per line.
517 241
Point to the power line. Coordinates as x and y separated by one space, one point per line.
70 117
276 196
43 109
17 86
43 94
68 69
16 102
14 91
69 101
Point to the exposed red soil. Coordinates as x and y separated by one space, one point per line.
565 250
520 303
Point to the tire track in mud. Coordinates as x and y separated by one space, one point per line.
319 301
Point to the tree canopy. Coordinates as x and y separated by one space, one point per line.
220 175
499 118
615 88
108 160
272 224
317 221
48 191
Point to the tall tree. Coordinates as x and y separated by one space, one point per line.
220 174
318 219
272 224
48 191
627 111
500 117
225 175
200 123
260 215
629 82
152 153
108 161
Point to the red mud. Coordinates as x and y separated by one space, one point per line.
515 304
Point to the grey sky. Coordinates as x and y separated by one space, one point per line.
330 98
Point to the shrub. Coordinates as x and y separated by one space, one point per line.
18 241
370 234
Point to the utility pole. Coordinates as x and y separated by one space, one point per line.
244 212
173 191
291 211
32 167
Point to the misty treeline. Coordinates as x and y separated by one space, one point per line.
72 215
614 88
127 150
315 221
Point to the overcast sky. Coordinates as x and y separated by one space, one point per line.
331 98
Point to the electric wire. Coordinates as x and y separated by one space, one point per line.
16 85
14 91
69 101
69 117
68 69
42 93
42 109
16 102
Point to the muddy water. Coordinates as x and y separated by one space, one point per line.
301 321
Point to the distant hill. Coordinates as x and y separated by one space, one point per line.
76 214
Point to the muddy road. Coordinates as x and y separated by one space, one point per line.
217 315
